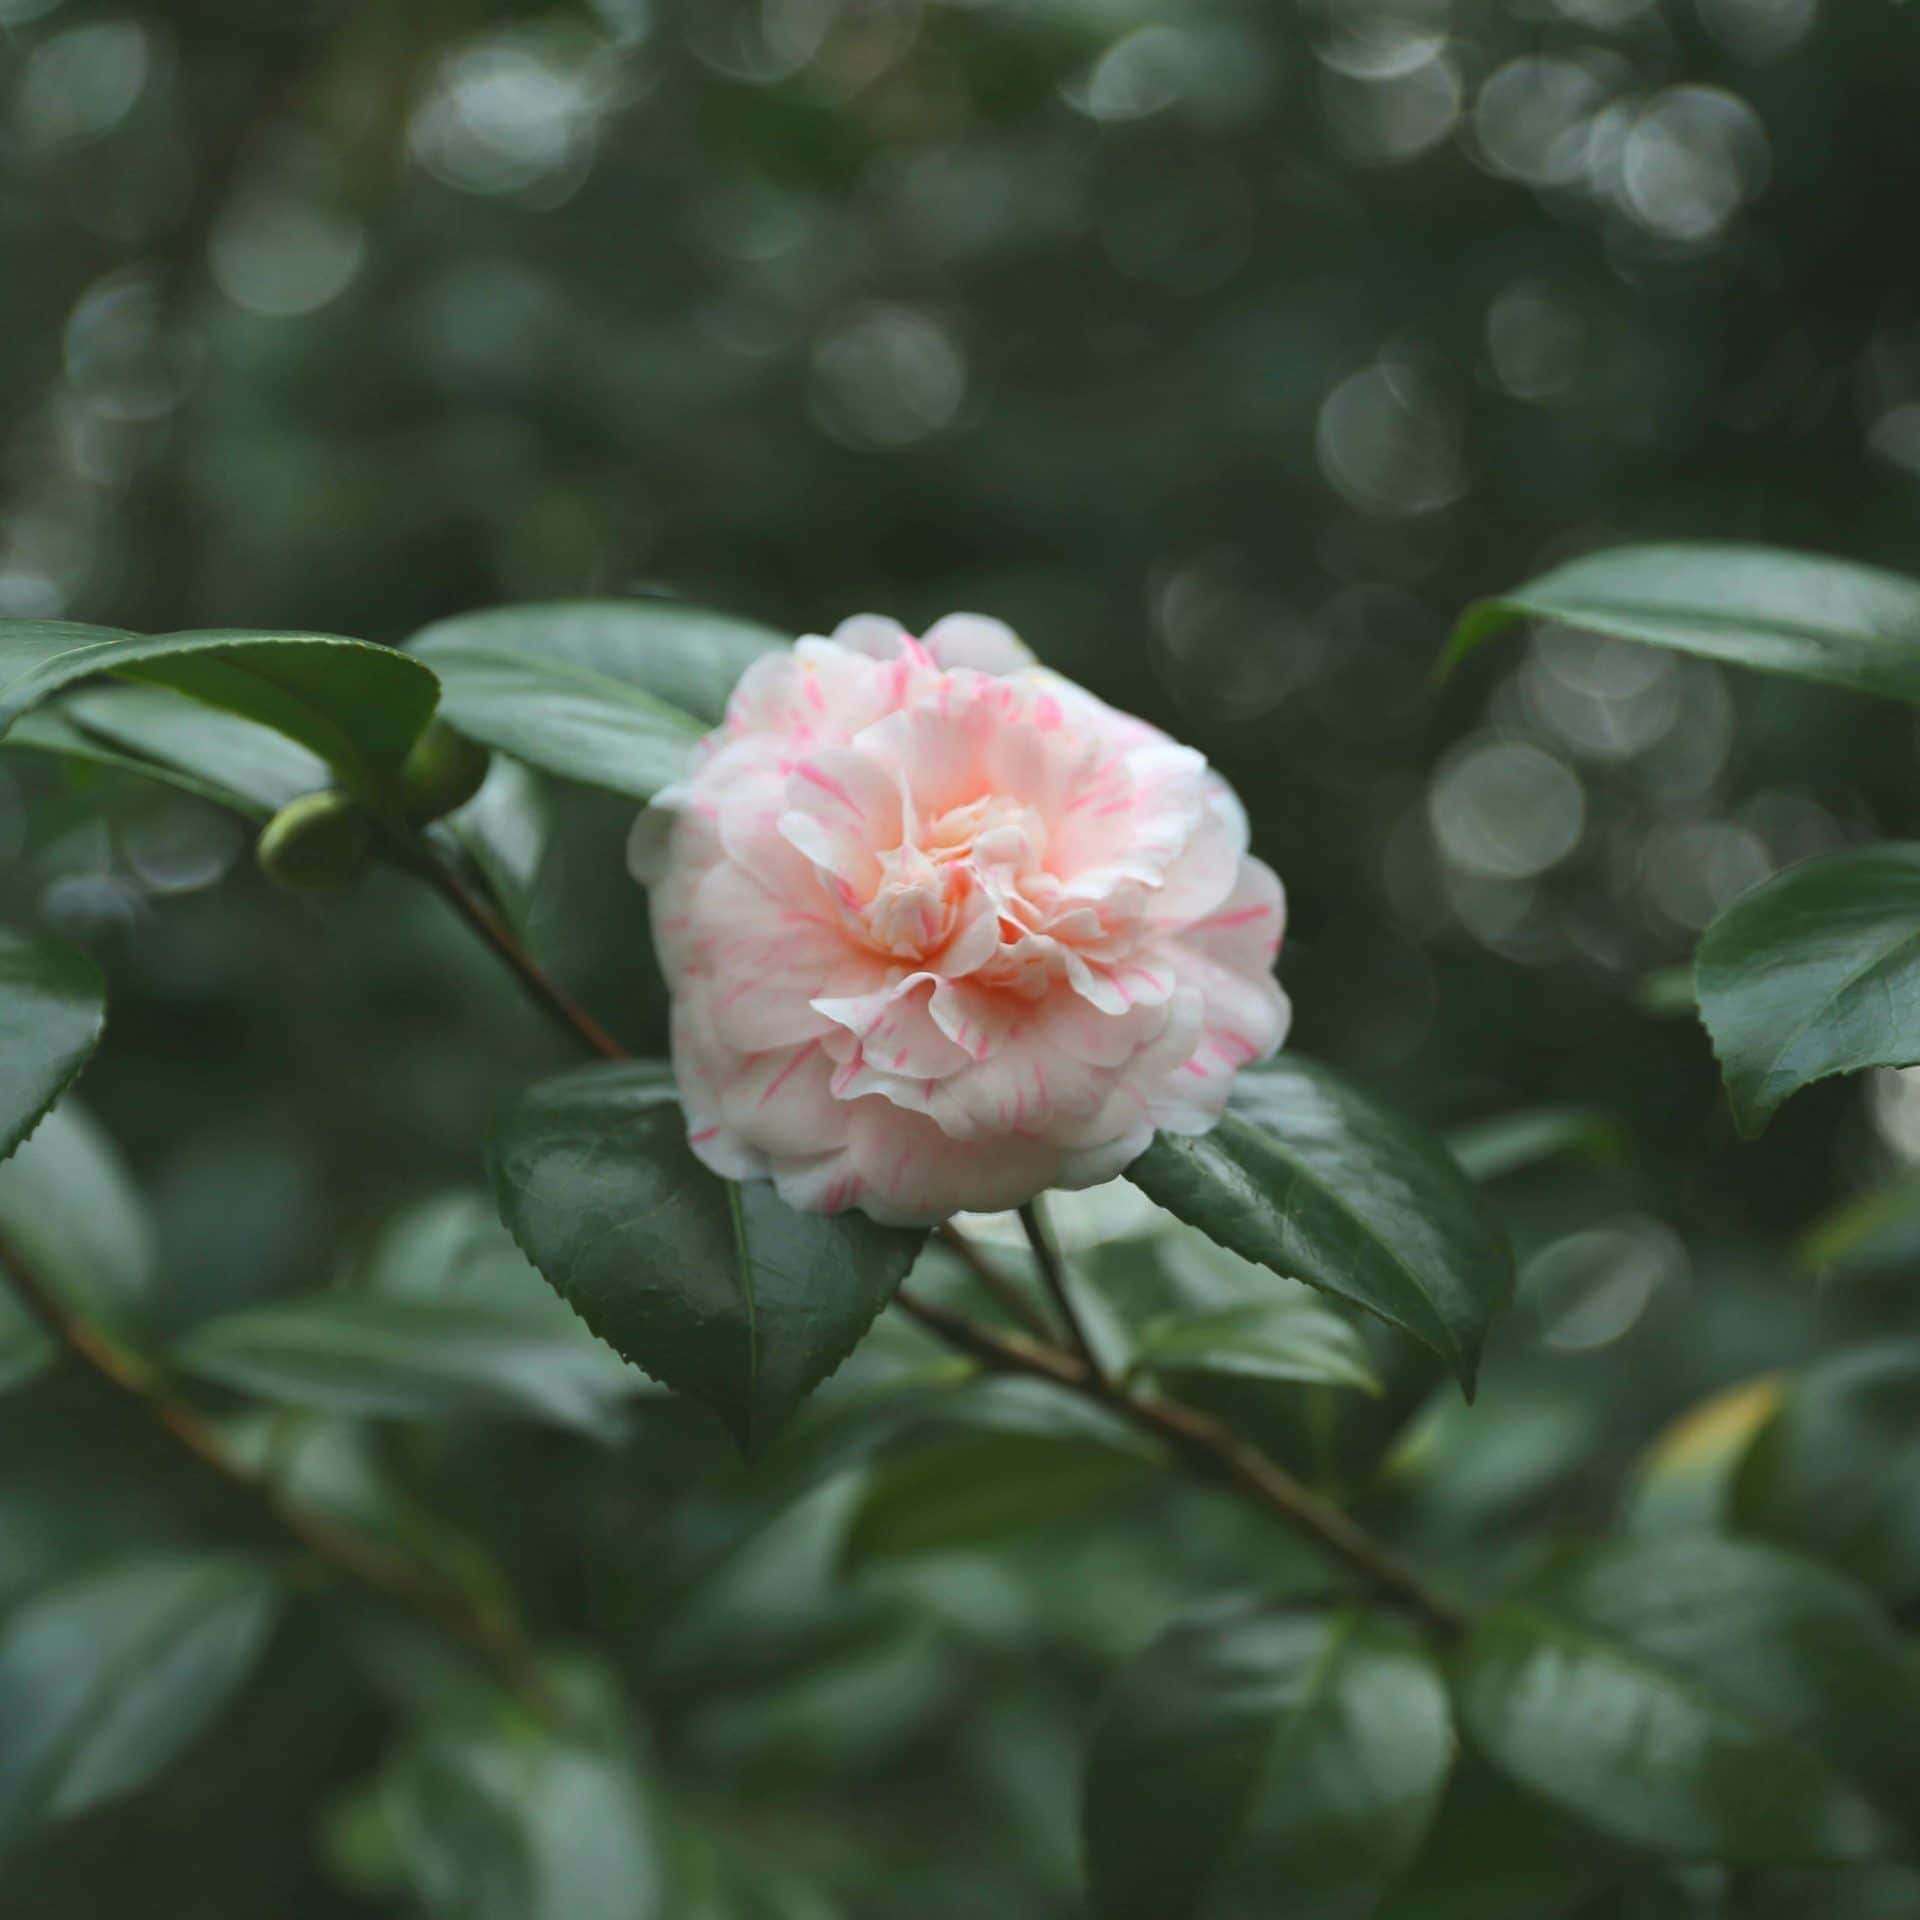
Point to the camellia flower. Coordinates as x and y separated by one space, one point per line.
944 930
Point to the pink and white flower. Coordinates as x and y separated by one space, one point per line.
944 930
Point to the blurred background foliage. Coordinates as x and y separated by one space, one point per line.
1225 347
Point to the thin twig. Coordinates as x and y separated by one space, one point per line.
1000 1352
996 1282
495 1642
1207 1445
1047 1258
540 986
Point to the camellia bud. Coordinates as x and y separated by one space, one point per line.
319 841
444 771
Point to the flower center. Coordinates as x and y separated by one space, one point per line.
990 843
911 911
990 832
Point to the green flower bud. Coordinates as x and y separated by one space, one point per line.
319 841
444 771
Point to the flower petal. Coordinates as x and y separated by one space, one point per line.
897 1035
976 640
758 964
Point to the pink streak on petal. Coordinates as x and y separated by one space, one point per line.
787 1072
829 785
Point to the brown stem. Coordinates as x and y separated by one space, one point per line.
540 986
1047 1258
1208 1445
996 1282
496 1643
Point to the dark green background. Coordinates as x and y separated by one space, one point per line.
1225 349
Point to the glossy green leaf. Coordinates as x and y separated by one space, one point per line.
261 769
1515 1142
53 1009
601 734
105 1678
1793 613
70 1210
356 706
1702 1697
717 1289
689 657
612 693
1322 1430
499 1817
1313 1178
996 1461
1257 1761
52 733
1297 1340
413 1360
1816 972
1835 1472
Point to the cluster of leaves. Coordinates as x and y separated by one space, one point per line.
1223 346
1723 1688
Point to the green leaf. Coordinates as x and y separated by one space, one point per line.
105 1678
1877 1231
413 1360
357 706
51 732
260 769
1683 1483
498 1817
27 1350
72 1216
53 1009
154 734
1293 1340
612 693
1516 1142
1816 972
1492 1853
717 1289
1461 1471
345 1467
70 1210
452 1250
1835 1472
1793 613
1257 1761
998 1459
1312 1178
1701 1697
